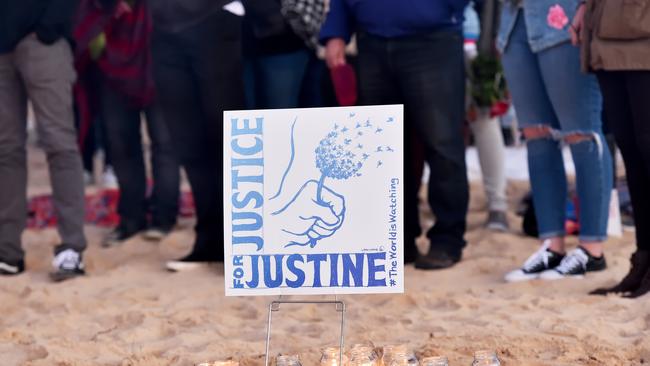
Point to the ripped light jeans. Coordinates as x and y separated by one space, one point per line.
549 91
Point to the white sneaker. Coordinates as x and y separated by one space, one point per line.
543 259
67 264
109 180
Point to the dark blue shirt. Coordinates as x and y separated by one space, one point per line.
391 18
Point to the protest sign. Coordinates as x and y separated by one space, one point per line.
313 201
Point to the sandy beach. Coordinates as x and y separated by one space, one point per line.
130 311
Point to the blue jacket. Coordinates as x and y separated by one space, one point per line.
541 35
391 18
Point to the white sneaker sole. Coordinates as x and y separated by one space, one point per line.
178 266
552 275
520 276
153 235
8 269
497 227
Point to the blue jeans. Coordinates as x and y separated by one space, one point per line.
275 81
549 90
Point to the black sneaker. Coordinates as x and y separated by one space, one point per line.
10 269
121 234
437 259
67 264
575 264
192 261
542 260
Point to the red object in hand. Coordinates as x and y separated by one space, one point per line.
345 84
498 109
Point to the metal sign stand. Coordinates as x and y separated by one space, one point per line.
274 306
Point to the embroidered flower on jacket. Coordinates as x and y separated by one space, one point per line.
557 17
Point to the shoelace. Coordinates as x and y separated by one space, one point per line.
541 255
67 259
577 258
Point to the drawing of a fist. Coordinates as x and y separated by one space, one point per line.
314 213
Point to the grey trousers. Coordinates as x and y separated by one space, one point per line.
44 75
491 153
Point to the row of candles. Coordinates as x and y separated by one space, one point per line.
368 355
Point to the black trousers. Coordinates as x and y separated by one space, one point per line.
122 125
95 140
625 95
198 73
425 73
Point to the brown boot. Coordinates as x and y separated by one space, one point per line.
632 281
643 288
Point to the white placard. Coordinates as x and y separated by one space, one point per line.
313 201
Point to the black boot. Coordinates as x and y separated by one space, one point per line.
640 263
643 288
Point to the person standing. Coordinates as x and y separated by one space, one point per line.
413 54
198 71
557 104
615 39
485 127
36 63
114 62
275 58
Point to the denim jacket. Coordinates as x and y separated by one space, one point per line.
541 35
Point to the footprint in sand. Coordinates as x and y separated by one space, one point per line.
36 352
129 320
446 305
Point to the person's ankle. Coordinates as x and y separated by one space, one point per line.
556 245
595 249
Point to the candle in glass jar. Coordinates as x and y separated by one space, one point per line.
363 355
400 351
292 360
486 358
434 361
331 357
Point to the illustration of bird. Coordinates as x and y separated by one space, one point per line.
368 124
336 127
347 141
360 146
390 119
378 130
379 163
358 125
389 149
365 156
359 133
344 129
379 149
352 115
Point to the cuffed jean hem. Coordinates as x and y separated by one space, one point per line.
593 238
552 234
582 238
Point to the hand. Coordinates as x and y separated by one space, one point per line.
577 26
122 8
335 52
307 218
